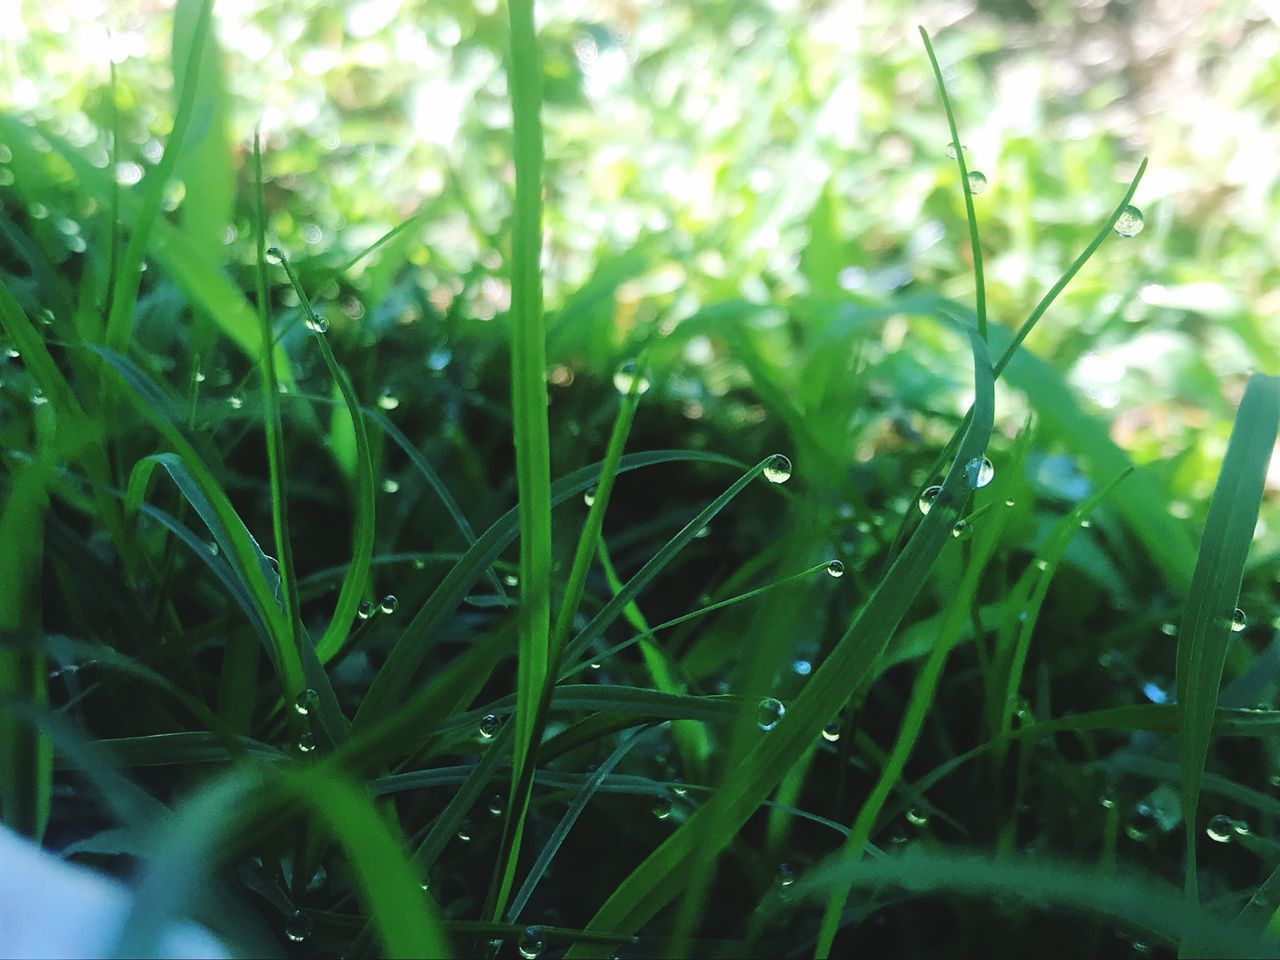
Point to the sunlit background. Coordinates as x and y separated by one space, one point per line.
763 151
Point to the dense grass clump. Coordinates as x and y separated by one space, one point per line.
350 622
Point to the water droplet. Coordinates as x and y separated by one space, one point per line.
1220 828
951 150
977 181
511 580
1169 628
389 604
786 876
274 254
1238 621
927 496
464 831
1130 222
298 927
835 568
1042 564
530 944
917 818
235 401
1242 828
1141 947
365 610
627 375
307 699
306 742
777 469
388 400
1141 819
489 726
495 805
1010 502
678 788
1086 523
979 472
962 530
769 712
1107 799
831 732
662 807
589 497
390 485
317 323
802 667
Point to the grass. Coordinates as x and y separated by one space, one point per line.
737 702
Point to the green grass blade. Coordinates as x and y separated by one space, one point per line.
529 409
980 286
1125 897
120 321
412 647
353 585
663 875
1215 591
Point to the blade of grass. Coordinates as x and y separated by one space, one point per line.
120 321
1207 617
663 875
980 286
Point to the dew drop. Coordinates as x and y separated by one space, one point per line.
962 530
1130 222
979 472
390 485
927 496
835 569
628 374
662 807
1107 800
307 699
298 927
306 743
589 497
388 400
777 469
389 604
1169 628
1086 523
464 831
365 610
786 876
1009 502
530 945
1238 621
1220 828
235 401
489 726
831 732
917 818
1141 819
769 712
951 150
317 323
679 789
495 805
274 254
977 181
1241 828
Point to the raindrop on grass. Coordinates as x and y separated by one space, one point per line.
835 568
235 401
917 818
1169 628
979 472
306 743
464 831
951 150
589 497
831 732
1009 502
962 530
977 181
628 374
495 805
1141 819
1107 800
317 323
530 944
769 712
389 604
365 610
1220 828
786 876
388 400
1241 828
662 807
927 496
390 485
298 927
1130 222
1238 621
307 699
489 726
679 789
1086 523
777 469
274 255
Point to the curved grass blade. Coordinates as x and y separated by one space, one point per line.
980 286
1124 896
1207 618
353 585
664 874
120 321
411 648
